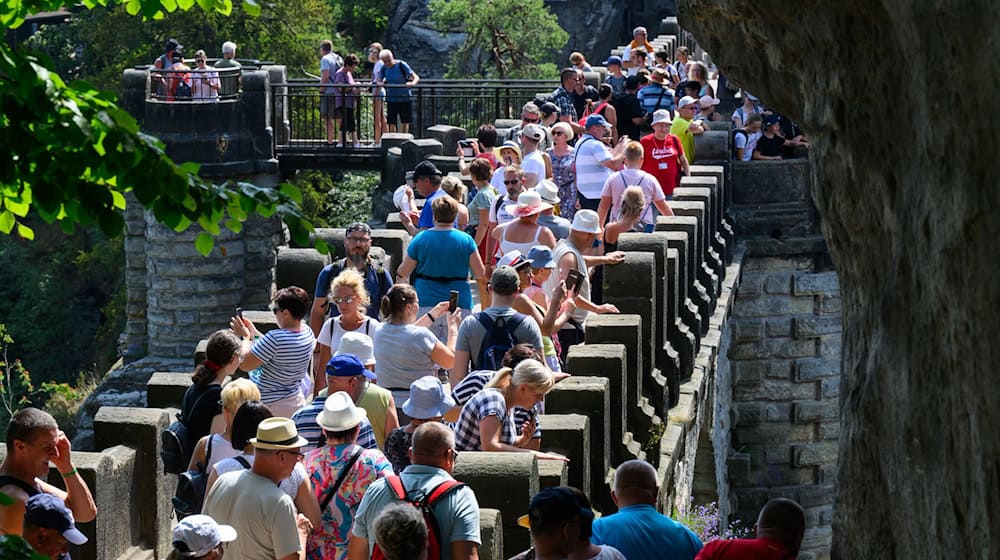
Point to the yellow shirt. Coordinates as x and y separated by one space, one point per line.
375 401
680 129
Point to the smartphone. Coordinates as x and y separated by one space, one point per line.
239 312
574 280
453 301
466 146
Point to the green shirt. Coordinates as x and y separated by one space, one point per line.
680 130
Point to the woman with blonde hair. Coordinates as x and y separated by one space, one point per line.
218 446
457 190
486 422
348 293
633 205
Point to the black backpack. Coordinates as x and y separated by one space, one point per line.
340 265
183 90
190 495
176 443
499 338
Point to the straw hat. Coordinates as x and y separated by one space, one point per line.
278 433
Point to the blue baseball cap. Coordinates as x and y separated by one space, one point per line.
613 60
49 512
347 365
594 120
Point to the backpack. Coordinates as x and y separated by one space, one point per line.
191 486
732 139
339 267
29 489
183 89
499 338
176 446
426 507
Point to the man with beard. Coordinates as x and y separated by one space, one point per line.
357 244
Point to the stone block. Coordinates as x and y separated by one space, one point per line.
608 361
830 345
772 390
569 435
167 389
830 388
773 431
505 482
738 468
749 330
395 139
394 243
490 533
828 430
782 475
780 327
771 305
749 372
298 267
812 369
817 326
778 283
773 348
633 276
712 146
263 320
416 150
778 412
588 396
814 454
748 414
334 238
823 283
448 136
139 428
752 284
552 473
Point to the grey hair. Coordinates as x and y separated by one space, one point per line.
531 109
400 532
384 54
229 47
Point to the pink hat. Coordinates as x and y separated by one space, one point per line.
529 203
707 101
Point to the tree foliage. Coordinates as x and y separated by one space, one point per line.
505 38
72 153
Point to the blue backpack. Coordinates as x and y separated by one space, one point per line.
499 338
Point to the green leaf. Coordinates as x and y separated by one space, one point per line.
251 7
25 232
204 243
118 200
7 222
322 247
291 192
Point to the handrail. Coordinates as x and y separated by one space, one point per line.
163 84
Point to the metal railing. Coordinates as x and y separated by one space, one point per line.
166 85
299 108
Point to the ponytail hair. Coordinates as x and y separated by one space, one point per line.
530 373
393 305
222 346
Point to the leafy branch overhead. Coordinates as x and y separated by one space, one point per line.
72 153
504 38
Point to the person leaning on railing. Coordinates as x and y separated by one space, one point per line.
205 82
231 70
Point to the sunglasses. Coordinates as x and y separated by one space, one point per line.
514 182
558 133
529 120
299 456
338 300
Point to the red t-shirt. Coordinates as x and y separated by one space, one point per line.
662 160
744 549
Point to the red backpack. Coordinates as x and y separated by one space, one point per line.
426 507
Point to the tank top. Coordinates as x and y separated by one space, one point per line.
579 315
221 448
508 246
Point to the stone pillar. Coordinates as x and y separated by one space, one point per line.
630 285
569 435
785 359
608 360
719 172
502 481
693 272
136 325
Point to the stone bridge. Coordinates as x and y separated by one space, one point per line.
721 370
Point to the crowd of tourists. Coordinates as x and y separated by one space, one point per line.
335 434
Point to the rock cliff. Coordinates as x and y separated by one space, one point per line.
895 98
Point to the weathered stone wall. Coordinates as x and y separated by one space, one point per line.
905 190
785 361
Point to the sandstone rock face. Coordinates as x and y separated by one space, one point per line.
905 190
594 28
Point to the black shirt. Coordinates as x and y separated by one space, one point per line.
628 107
580 101
770 147
200 406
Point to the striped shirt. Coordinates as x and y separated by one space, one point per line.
591 174
474 383
307 427
488 402
286 356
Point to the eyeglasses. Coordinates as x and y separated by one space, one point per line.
529 120
338 300
360 240
299 456
514 182
557 133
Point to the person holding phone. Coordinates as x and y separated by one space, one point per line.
568 256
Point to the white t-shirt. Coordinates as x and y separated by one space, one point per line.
534 163
591 174
620 180
747 142
201 82
289 486
627 56
333 331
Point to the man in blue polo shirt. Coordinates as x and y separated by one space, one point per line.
427 181
638 530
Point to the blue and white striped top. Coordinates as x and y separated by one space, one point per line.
286 356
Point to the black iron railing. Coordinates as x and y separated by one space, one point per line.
194 86
298 108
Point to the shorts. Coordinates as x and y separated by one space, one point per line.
588 203
327 110
349 123
401 110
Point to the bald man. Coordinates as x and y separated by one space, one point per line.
432 460
638 530
780 527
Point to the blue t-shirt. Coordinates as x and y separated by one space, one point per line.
397 75
442 254
426 214
642 533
